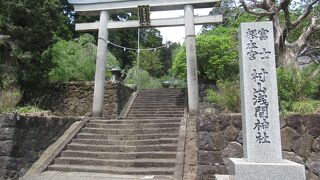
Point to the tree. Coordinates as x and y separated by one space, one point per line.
31 27
216 55
166 55
149 37
287 18
74 60
149 61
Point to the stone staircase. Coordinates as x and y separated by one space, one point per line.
142 144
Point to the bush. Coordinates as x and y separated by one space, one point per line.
228 96
29 109
149 61
142 79
175 82
9 99
216 55
296 85
179 66
303 107
75 60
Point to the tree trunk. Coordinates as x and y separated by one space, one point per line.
288 57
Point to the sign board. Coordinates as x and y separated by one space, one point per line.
144 15
259 93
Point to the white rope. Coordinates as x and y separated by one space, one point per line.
135 49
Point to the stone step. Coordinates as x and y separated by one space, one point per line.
137 121
169 95
126 142
164 97
163 89
59 175
128 131
178 109
142 115
112 170
116 162
155 112
158 117
171 104
159 107
153 108
163 100
147 102
119 155
159 98
154 91
126 137
132 126
161 92
118 148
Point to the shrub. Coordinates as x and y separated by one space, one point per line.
303 107
296 85
29 109
150 61
75 60
9 99
216 55
175 82
227 97
142 79
179 66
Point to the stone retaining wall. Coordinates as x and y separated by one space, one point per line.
24 138
75 99
219 137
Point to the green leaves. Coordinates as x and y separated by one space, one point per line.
216 55
75 60
228 96
297 85
149 61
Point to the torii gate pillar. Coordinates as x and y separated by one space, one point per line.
191 54
98 95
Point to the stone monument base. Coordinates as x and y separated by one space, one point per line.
241 169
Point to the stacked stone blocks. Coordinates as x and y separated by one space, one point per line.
219 137
24 138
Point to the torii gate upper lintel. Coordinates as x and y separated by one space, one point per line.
105 7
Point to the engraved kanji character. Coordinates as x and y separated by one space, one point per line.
251 47
262 138
260 89
263 34
265 54
261 112
252 34
260 98
261 76
261 124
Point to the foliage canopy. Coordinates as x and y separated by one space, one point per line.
75 60
216 54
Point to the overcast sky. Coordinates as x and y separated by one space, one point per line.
176 34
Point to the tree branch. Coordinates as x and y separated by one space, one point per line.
314 26
307 11
248 9
284 5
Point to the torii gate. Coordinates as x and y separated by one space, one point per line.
105 7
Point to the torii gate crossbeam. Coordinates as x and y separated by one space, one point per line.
104 7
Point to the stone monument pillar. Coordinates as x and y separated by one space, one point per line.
260 112
98 95
192 71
